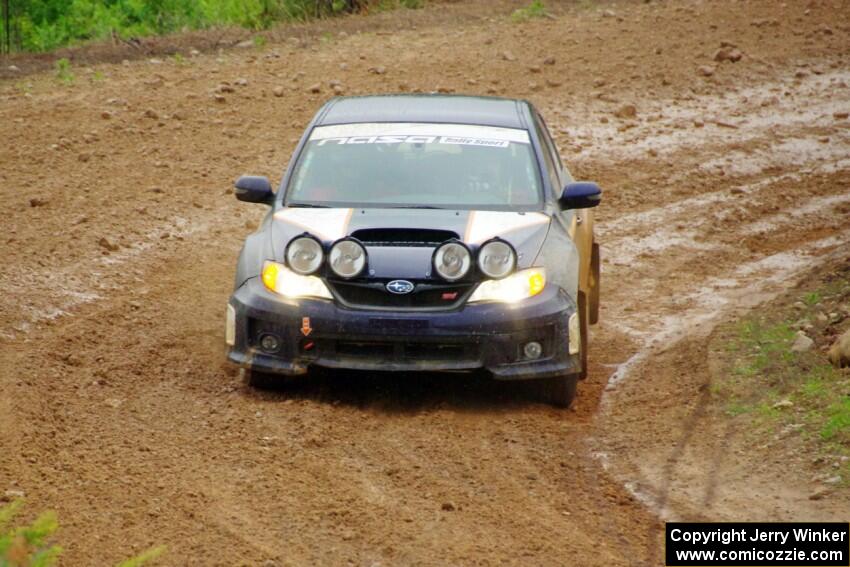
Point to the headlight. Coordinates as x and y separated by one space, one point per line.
452 261
347 258
496 259
521 285
280 279
304 255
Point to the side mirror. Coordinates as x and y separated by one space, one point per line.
254 189
580 195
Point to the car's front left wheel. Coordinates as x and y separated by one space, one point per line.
560 391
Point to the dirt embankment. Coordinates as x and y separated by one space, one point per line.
725 181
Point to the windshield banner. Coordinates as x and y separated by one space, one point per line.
399 133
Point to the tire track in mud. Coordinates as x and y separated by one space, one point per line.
733 278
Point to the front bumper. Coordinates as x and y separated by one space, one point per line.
321 333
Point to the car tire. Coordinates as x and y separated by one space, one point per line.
582 321
265 380
595 274
559 391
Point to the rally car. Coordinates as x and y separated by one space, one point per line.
420 232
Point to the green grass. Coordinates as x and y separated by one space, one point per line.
44 25
811 298
760 370
837 422
30 545
63 71
534 10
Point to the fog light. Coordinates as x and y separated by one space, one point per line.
269 343
532 350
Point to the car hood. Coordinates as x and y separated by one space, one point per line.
401 242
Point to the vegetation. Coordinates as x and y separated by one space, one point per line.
781 391
42 25
63 71
29 545
534 10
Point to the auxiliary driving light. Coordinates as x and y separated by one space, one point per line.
496 259
452 261
304 255
269 342
347 258
532 350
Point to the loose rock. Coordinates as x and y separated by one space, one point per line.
839 352
626 111
108 244
315 88
802 343
13 494
728 54
705 70
819 494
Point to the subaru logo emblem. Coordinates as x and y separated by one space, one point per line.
400 287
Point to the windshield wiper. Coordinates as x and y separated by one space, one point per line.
417 207
307 206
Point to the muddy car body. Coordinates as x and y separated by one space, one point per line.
420 232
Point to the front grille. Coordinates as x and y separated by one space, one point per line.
426 296
403 236
403 350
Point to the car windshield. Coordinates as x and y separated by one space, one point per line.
417 165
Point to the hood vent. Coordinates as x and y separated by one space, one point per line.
403 236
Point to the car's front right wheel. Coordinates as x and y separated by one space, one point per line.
267 380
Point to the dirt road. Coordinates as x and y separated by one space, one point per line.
725 184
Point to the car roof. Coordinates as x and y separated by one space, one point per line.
438 108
